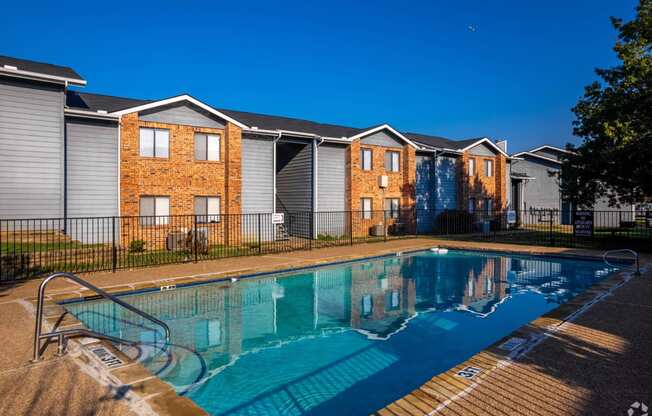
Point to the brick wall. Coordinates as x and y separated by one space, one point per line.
365 184
480 186
179 176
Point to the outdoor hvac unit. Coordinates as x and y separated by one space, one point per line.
383 181
176 241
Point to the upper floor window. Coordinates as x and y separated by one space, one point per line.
154 210
207 147
471 167
154 142
366 159
207 208
392 161
489 168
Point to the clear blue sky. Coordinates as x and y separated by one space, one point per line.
414 65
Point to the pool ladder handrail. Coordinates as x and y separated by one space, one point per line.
623 250
63 334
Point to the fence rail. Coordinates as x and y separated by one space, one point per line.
32 247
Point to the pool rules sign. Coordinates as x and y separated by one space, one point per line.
583 224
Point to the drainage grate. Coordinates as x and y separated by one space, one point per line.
107 358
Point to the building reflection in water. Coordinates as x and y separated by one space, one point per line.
224 321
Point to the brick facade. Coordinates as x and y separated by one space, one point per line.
479 186
179 176
365 183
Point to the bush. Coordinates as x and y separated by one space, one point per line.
454 222
137 246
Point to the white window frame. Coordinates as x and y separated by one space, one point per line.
164 137
394 206
208 215
363 165
489 168
366 212
394 161
471 167
161 207
206 139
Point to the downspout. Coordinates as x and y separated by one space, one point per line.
276 139
315 182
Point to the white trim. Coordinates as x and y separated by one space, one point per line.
18 73
547 146
179 98
384 127
537 156
485 140
89 114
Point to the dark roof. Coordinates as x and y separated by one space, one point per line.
40 67
269 122
94 102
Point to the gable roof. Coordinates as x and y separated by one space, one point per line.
26 68
387 127
547 146
100 102
521 154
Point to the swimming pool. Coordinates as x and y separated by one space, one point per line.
341 339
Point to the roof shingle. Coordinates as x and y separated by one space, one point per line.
40 67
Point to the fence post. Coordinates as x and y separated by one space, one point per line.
416 221
114 249
351 227
385 224
260 240
552 237
195 234
311 233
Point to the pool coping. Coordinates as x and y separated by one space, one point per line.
164 400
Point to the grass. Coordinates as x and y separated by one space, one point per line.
10 247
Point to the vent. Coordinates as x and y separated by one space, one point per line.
13 68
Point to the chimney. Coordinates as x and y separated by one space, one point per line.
502 144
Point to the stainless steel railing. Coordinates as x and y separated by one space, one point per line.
623 250
66 333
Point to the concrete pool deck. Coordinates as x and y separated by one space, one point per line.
593 365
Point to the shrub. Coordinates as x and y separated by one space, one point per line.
137 246
454 222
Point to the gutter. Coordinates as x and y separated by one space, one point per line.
276 139
17 73
90 114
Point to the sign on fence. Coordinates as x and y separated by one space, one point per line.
583 224
511 217
278 218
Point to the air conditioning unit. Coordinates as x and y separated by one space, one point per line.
383 181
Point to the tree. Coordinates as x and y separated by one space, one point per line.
614 119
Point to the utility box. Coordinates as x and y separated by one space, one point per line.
378 230
383 181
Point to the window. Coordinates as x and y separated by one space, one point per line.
367 305
207 146
471 205
366 205
207 208
154 142
366 159
471 165
489 168
154 210
392 161
488 206
392 207
392 300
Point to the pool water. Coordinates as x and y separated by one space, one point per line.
343 339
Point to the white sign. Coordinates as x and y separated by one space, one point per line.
278 218
511 217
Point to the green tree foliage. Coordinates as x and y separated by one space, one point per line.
614 118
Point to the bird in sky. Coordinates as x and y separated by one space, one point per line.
471 28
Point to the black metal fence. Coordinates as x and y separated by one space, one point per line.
32 247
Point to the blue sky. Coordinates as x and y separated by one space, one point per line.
412 64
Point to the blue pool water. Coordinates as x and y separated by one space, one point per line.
338 340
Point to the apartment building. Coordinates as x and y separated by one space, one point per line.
68 153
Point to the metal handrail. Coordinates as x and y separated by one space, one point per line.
61 335
623 250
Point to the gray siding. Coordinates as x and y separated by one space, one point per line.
331 190
549 153
31 150
482 150
182 113
382 138
436 187
294 176
257 175
92 178
447 184
543 191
